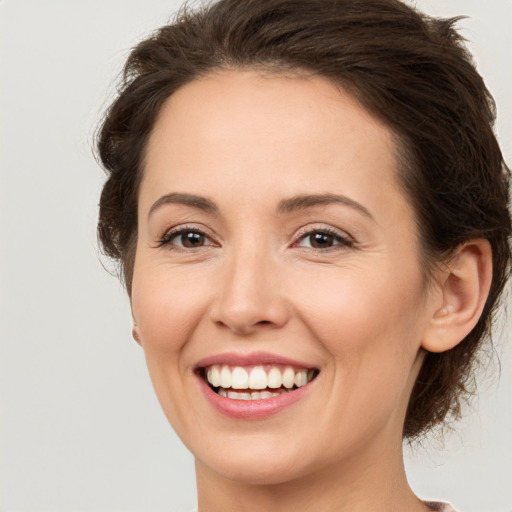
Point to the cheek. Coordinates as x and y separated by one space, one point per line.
368 322
370 328
167 306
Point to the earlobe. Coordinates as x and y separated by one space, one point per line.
464 287
136 334
135 331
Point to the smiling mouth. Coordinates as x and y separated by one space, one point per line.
255 382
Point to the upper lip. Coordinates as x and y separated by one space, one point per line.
251 359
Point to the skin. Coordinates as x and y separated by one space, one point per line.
358 311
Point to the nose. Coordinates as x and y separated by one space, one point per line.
250 296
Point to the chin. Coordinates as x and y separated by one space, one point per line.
258 472
255 463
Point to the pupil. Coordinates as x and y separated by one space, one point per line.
191 239
320 240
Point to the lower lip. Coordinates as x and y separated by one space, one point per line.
252 409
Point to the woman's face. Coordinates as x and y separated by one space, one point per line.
276 248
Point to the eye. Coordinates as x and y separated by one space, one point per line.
185 238
323 239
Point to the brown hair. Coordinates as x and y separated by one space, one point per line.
410 70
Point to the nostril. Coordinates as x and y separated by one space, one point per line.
244 328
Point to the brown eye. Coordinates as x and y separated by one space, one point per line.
324 239
320 240
186 239
190 239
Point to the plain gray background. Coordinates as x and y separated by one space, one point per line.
80 427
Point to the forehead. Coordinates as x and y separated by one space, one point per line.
253 131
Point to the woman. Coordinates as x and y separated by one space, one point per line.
310 210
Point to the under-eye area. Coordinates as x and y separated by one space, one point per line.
255 382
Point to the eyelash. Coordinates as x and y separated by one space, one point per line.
342 241
174 233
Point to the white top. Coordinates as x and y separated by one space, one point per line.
438 506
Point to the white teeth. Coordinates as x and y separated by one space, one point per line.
239 396
239 378
225 377
274 378
301 378
256 378
288 378
255 395
213 376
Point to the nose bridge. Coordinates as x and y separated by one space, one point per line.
249 295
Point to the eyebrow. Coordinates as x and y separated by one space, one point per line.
199 202
303 202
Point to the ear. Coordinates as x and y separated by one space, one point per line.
135 331
464 286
